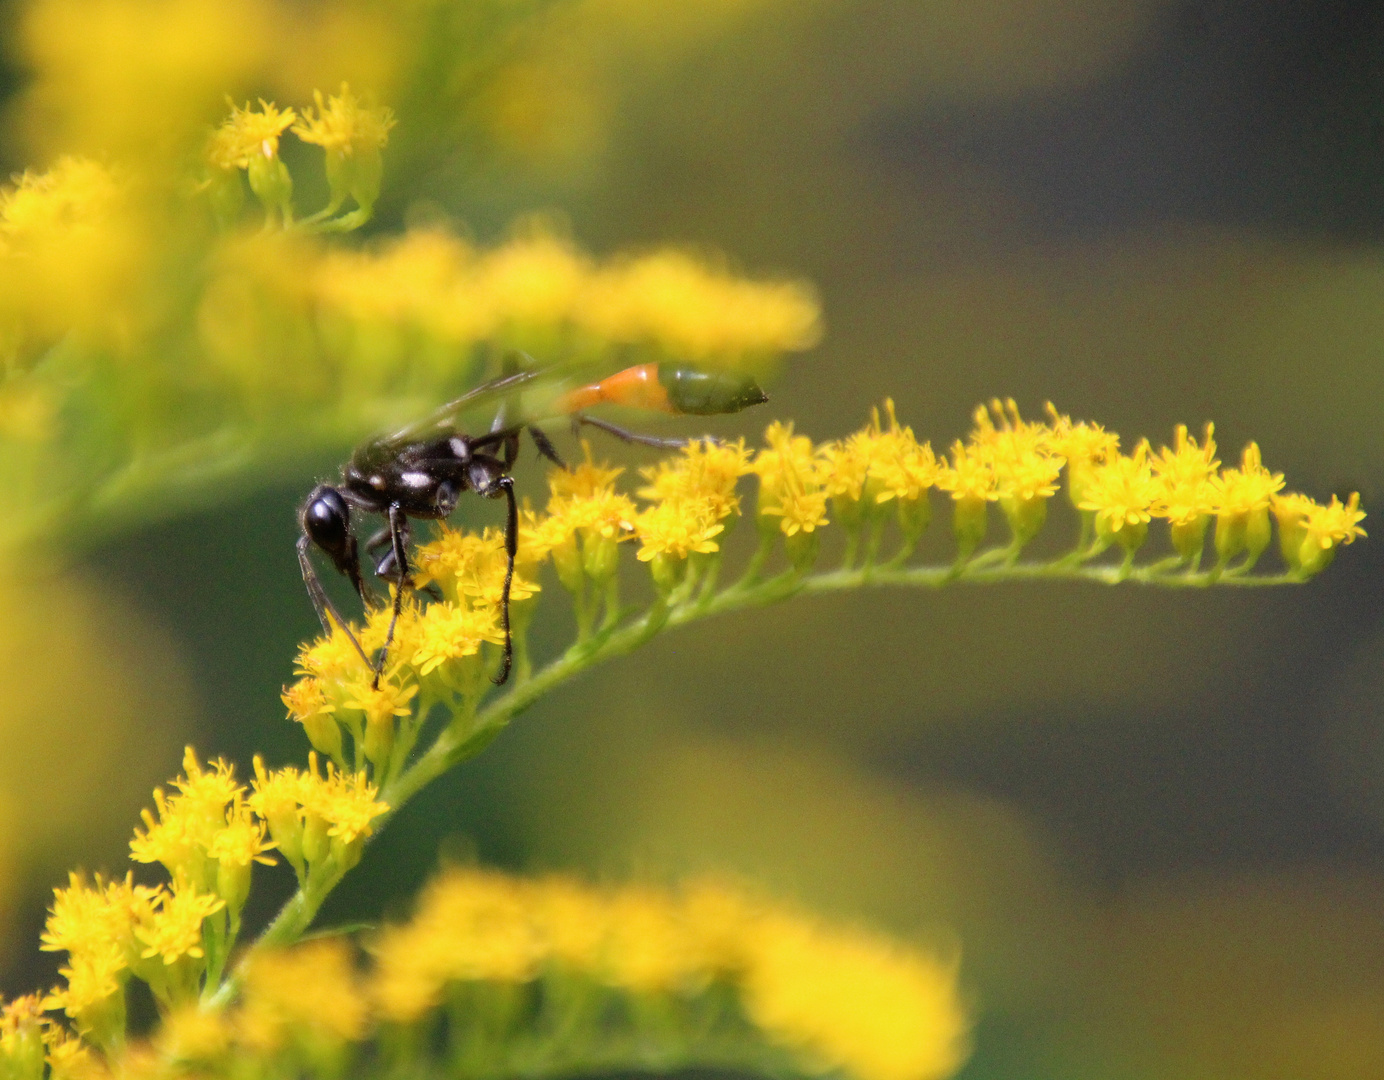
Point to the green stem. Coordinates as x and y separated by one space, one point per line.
458 742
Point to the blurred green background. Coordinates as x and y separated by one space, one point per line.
1154 822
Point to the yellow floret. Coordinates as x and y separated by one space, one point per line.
173 929
1121 493
676 529
249 133
344 125
448 633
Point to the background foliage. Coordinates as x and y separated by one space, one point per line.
1154 822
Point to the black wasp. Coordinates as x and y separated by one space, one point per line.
422 470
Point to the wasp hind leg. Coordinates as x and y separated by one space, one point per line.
546 448
625 435
511 550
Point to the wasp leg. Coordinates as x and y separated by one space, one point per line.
386 567
625 435
398 533
546 448
321 601
511 550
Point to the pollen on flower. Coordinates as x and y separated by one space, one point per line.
583 480
802 508
1335 523
470 567
91 979
188 822
345 801
306 699
69 1056
704 472
790 481
241 842
330 657
1085 447
94 917
905 469
380 702
877 464
1079 442
1007 436
207 791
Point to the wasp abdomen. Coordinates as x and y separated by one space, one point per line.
708 393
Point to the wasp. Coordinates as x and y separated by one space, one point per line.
421 471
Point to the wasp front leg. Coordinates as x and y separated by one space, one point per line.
321 601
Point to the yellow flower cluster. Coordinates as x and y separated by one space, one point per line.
878 476
538 292
207 834
71 245
825 998
351 135
1017 465
319 822
693 498
286 342
299 1012
842 999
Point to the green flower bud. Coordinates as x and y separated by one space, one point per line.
600 557
801 549
970 519
668 571
1025 517
271 182
1189 537
226 193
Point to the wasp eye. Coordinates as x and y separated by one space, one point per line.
327 520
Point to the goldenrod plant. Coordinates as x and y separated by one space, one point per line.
499 976
190 306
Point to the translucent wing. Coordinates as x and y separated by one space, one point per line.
443 419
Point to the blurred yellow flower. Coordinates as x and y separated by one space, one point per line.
308 992
855 1001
